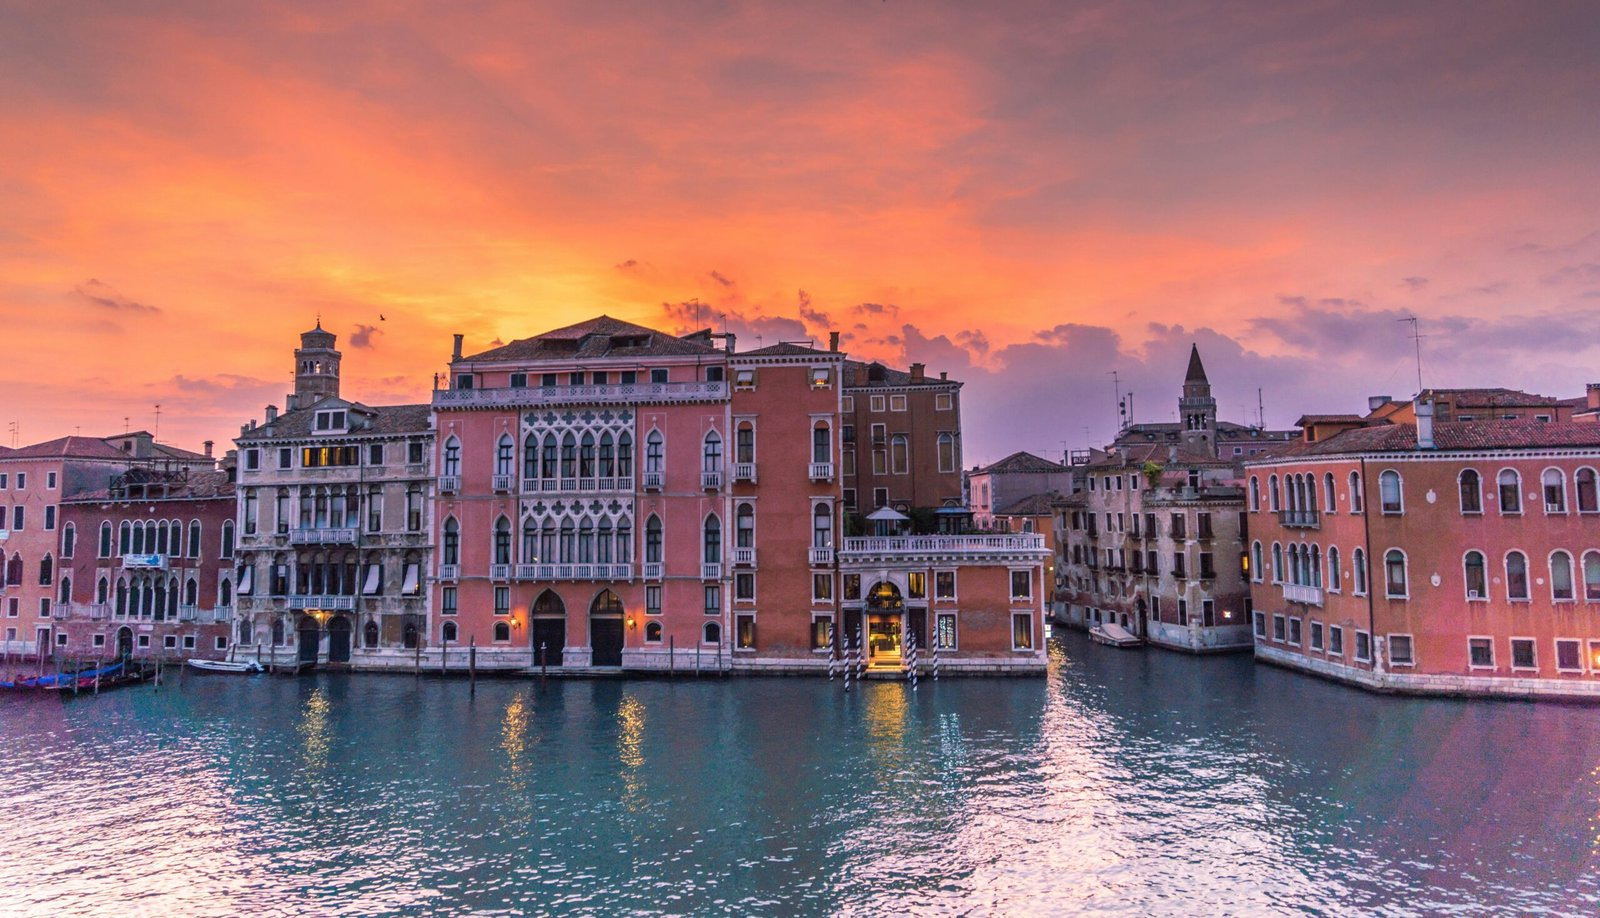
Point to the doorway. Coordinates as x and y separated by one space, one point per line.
549 631
310 639
124 642
339 640
883 640
605 629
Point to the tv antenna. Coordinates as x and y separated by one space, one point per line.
1416 337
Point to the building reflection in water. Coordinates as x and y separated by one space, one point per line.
516 742
630 752
315 733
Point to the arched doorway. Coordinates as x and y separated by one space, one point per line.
310 638
885 606
605 629
124 642
549 631
339 639
369 634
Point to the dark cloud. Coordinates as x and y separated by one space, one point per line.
1581 274
875 309
221 383
813 317
362 337
1299 302
1414 283
628 265
974 340
105 296
721 279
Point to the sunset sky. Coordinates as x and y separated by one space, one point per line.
1029 195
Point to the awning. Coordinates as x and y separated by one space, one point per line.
412 584
374 580
246 580
953 511
887 513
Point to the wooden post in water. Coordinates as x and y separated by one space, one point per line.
697 661
472 665
418 648
444 651
75 671
672 656
541 664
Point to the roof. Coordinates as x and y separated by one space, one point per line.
595 338
1021 462
1453 435
785 349
194 486
1309 419
1032 505
381 419
1493 397
878 375
69 448
1225 430
1197 370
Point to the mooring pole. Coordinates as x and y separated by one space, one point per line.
541 664
672 656
444 651
472 665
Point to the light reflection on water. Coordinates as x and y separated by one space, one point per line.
1139 782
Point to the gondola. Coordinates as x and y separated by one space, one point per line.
226 666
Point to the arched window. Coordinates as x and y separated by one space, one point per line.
1588 497
1255 562
1477 577
1316 566
1471 489
502 632
1330 499
530 542
1273 503
713 540
161 538
1255 494
745 526
1561 576
1390 499
652 632
569 455
226 550
602 542
1277 563
822 526
502 541
505 456
65 596
530 457
46 570
654 452
947 452
124 538
1333 568
652 540
900 454
225 593
712 453
452 542
1358 501
568 549
191 592
1554 482
548 452
586 456
1510 491
1358 570
608 457
194 538
586 541
624 455
105 539
102 591
1394 574
448 633
624 541
712 633
821 442
369 634
1516 575
452 457
1591 576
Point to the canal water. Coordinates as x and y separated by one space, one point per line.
1139 782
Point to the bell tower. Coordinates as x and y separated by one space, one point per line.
1197 408
316 367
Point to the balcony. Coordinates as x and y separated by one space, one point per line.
744 471
144 562
500 572
821 471
711 480
653 481
449 484
188 613
544 572
502 483
1300 519
652 570
711 571
1309 595
943 544
323 536
744 556
619 394
822 557
527 572
323 603
450 572
416 468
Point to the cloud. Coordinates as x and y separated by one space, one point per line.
813 317
105 296
974 340
875 309
362 337
628 265
1298 302
719 278
1414 283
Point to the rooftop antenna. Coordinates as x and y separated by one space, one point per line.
156 434
16 429
1416 337
1261 410
125 425
1116 387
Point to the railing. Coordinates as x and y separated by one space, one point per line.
652 570
710 571
527 572
1294 592
653 480
744 471
449 572
323 536
924 544
416 468
222 614
449 484
188 613
1300 519
499 572
823 556
323 603
99 611
745 556
711 480
144 562
821 471
501 483
622 393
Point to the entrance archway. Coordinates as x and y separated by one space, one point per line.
310 639
885 606
339 639
549 631
605 629
124 642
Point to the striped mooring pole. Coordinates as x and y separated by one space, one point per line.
936 657
833 650
861 658
911 658
844 658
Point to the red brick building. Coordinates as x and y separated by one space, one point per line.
902 439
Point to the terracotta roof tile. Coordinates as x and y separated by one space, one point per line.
596 338
1022 462
1452 435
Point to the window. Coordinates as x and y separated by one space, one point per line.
1021 585
1516 576
1316 636
897 403
502 600
1400 650
821 377
652 633
712 553
1336 640
1591 576
252 460
852 586
69 540
944 631
658 375
1555 490
1294 631
652 540
1358 501
449 632
1389 496
744 586
414 453
502 632
744 380
821 632
822 526
1358 570
1394 574
711 633
947 452
1261 624
1569 657
1561 576
1363 647
1510 491
1471 492
876 403
1255 494
916 585
1588 499
1480 653
1330 499
50 481
1278 632
452 457
652 600
1522 654
1476 576
713 599
821 587
942 402
944 586
744 443
452 542
654 453
505 456
1022 631
821 443
899 454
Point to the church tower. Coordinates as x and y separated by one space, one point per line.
1197 408
316 362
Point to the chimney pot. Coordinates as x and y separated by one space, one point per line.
455 353
917 372
1593 392
1374 402
944 374
209 445
833 341
272 415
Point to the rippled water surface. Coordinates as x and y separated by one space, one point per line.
1126 781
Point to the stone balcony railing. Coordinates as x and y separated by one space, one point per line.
323 603
1309 595
618 394
821 471
744 471
1300 519
541 572
820 557
323 535
745 557
977 548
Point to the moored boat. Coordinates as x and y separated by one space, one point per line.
225 666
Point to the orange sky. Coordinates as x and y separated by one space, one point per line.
1030 195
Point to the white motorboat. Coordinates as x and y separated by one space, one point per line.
226 666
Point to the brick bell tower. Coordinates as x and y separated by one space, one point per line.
316 366
1197 408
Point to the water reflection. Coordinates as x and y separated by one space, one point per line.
314 733
515 743
630 751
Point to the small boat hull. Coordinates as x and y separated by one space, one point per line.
1113 636
224 666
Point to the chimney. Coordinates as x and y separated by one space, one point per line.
209 444
944 374
917 372
1374 402
291 402
1424 424
455 353
1594 396
272 415
833 341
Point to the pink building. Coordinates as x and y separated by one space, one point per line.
610 495
1439 557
